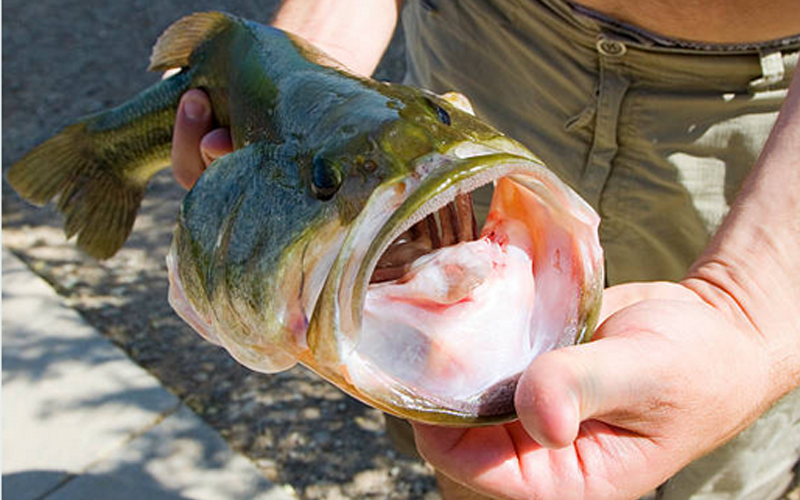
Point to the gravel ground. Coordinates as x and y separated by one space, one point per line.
67 58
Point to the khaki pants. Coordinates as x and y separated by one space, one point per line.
656 134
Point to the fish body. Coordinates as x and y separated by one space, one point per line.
340 232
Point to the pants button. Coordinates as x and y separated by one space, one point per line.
610 48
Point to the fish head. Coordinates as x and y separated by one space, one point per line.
258 233
424 314
334 248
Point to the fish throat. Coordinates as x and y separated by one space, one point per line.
431 312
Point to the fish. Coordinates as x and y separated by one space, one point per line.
341 232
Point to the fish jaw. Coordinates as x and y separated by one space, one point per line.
565 261
269 338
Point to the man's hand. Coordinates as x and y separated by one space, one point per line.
675 370
667 379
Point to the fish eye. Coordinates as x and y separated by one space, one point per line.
441 113
326 179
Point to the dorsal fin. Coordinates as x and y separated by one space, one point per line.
176 44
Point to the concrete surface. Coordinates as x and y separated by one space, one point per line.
83 421
63 59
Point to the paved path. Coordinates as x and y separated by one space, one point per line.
82 421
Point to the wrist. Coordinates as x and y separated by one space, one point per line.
751 269
750 289
353 32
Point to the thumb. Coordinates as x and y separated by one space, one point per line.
562 388
625 364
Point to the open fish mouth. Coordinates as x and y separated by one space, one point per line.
436 317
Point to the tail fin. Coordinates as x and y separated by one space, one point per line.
99 167
99 204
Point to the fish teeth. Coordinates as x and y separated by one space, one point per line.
454 223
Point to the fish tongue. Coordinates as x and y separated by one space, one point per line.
457 326
456 223
448 275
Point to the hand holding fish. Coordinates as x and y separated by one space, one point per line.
340 32
617 416
194 144
675 370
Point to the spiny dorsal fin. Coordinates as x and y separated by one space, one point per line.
176 44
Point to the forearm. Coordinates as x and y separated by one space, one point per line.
752 266
354 32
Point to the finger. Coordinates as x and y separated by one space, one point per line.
610 377
484 458
215 144
192 122
504 461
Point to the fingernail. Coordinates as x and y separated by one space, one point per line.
195 109
207 158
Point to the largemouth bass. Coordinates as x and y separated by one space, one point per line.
340 233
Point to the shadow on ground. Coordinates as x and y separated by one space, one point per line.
30 480
66 58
